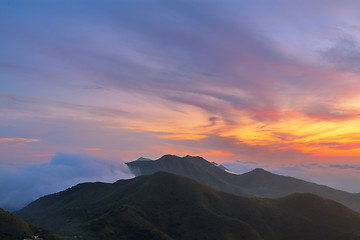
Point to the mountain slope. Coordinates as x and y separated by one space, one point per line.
194 167
259 183
12 228
168 206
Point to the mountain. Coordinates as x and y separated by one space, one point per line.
220 166
170 206
143 159
259 182
13 228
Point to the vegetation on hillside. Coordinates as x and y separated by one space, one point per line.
13 228
169 206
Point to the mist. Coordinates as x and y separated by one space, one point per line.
23 184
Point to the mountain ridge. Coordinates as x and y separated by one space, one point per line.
258 182
170 206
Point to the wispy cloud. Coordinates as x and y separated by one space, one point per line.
344 54
51 108
345 166
93 149
224 79
18 140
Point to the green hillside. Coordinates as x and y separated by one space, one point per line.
258 183
169 206
13 228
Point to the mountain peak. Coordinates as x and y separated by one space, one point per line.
173 157
258 182
167 156
259 170
143 159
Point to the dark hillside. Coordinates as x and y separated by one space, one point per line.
168 206
13 228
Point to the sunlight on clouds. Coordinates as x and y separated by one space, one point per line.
334 152
93 149
182 151
351 103
301 133
178 122
257 85
216 153
181 136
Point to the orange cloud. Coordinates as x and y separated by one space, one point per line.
93 149
180 150
330 148
182 136
216 153
18 140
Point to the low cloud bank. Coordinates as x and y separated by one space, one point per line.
20 185
240 166
343 176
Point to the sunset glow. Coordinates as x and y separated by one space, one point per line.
226 80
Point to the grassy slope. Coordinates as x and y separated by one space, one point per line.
168 206
12 227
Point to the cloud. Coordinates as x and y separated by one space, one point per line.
345 166
18 140
229 79
13 103
343 176
171 51
240 166
344 54
213 60
93 149
19 185
291 169
232 148
327 113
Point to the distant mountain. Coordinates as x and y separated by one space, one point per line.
169 206
259 183
13 228
220 166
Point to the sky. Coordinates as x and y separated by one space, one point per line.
88 85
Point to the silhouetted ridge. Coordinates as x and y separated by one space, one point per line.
258 182
169 206
143 159
259 171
